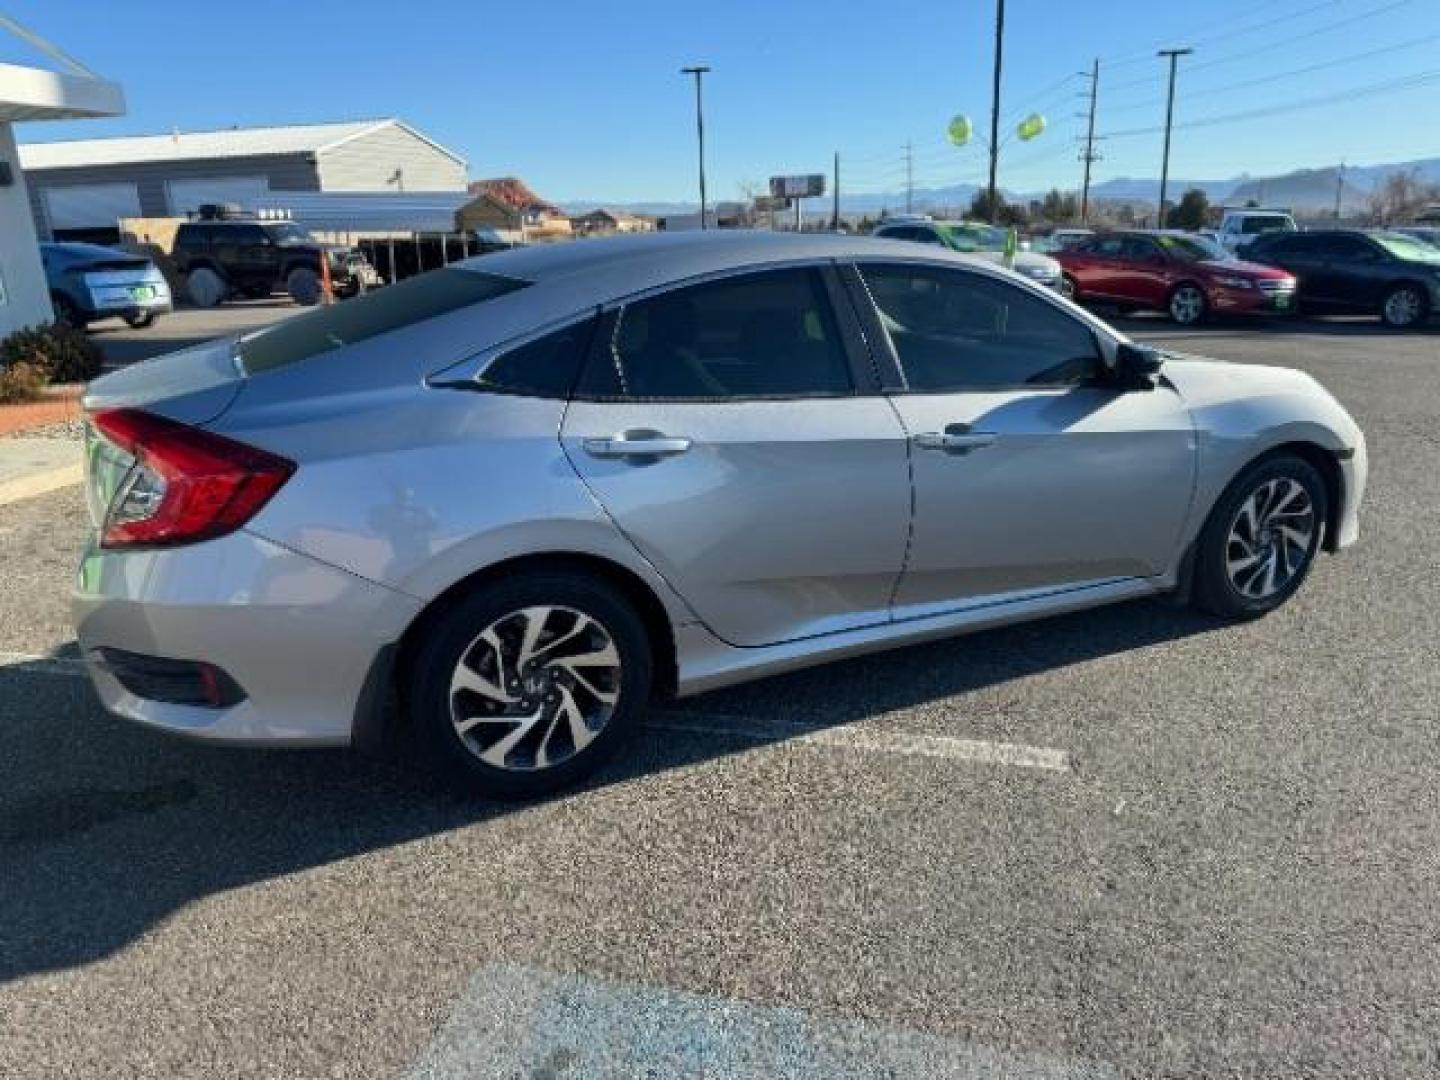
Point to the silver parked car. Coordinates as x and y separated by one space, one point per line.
525 494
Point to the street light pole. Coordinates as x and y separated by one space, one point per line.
1174 55
699 71
995 105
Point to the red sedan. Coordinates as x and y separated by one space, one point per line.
1185 275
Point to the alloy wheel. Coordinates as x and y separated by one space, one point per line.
534 688
1187 305
1403 307
1271 539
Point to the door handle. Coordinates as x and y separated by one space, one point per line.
955 440
644 444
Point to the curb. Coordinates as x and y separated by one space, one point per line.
40 483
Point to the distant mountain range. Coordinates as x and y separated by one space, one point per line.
1301 190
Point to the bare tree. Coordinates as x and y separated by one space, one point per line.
1401 197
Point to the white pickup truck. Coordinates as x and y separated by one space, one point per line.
1239 227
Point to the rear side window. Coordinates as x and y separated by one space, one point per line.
957 331
325 329
763 335
544 367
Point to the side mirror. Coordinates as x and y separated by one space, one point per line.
1137 365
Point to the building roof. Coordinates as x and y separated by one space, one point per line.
190 145
511 192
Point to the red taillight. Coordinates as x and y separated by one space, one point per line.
186 484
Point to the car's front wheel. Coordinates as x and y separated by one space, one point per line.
528 684
1187 304
1261 538
1068 288
141 321
1404 307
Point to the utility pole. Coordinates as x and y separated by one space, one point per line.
1339 188
995 106
1174 55
835 196
699 72
1089 156
909 177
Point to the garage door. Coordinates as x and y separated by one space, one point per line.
247 192
90 206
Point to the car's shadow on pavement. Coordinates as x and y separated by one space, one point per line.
106 830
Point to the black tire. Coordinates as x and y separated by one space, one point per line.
1069 288
141 321
1213 590
455 633
1404 306
205 287
66 311
1186 305
303 285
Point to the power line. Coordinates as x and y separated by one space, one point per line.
1234 31
1338 61
1404 82
1270 48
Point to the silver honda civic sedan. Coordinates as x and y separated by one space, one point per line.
501 507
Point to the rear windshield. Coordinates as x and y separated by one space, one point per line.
328 328
1261 223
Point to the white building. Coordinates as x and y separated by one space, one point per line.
29 93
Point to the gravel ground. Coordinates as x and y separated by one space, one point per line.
65 429
1235 876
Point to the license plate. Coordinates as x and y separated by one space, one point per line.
141 292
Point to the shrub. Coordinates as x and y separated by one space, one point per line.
20 382
62 353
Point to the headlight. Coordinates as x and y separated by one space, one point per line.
1234 282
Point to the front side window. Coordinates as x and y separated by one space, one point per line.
762 335
957 331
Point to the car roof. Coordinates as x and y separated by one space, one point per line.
77 250
595 271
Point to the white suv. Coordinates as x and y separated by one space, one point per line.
1239 227
985 241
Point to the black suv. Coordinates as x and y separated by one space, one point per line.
224 252
1349 271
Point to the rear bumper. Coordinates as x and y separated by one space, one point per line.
298 636
102 302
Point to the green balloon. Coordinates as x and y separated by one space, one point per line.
960 130
1031 126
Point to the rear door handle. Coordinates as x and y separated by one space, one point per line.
955 442
637 444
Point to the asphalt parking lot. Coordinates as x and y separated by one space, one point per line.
1210 850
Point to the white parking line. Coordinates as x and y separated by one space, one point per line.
854 738
846 737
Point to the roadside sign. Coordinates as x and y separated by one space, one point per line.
797 187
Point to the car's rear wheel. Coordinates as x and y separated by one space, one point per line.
1068 288
1261 538
205 286
141 321
528 684
1404 306
1187 304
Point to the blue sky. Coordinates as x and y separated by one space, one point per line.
584 100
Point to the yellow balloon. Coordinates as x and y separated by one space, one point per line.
959 130
1031 126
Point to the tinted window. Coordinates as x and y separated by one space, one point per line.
899 232
244 234
324 329
193 235
954 331
1138 249
1111 247
928 236
1351 249
1259 223
769 334
544 367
